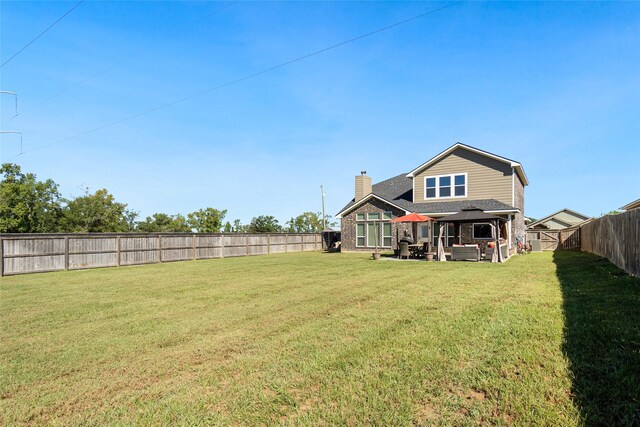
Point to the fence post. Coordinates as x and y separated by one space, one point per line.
268 244
194 246
118 247
222 245
286 243
1 257
246 244
66 253
159 248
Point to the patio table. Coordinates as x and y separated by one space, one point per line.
415 249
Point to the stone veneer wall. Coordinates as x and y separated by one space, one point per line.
519 228
374 205
348 224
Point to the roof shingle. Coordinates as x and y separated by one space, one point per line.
399 191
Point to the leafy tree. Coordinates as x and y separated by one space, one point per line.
236 227
97 213
161 222
308 222
207 220
26 204
264 224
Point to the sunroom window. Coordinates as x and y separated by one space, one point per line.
373 229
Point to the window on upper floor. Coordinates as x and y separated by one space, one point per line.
445 186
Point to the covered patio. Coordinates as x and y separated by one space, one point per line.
462 250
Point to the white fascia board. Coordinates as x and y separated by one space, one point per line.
434 214
363 200
474 150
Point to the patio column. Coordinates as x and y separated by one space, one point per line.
441 255
509 236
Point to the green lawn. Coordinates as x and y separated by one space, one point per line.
323 339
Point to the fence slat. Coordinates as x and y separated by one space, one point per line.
615 237
31 253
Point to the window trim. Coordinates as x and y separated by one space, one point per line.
473 231
380 224
365 234
382 236
452 176
372 244
420 228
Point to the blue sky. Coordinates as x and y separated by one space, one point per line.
555 86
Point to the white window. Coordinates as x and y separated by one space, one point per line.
445 186
386 234
360 236
376 231
373 235
423 232
482 231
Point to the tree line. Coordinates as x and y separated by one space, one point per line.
31 206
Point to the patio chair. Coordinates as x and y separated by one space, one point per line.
404 250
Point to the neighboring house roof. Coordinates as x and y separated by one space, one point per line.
567 223
516 165
633 205
398 192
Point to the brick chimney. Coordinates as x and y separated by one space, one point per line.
363 185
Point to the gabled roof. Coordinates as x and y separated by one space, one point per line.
516 165
398 192
633 205
582 217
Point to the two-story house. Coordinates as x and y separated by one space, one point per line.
459 177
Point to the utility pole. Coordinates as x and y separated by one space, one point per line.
324 223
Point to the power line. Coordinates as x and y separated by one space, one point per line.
42 33
120 61
241 79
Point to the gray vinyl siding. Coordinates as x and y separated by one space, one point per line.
486 178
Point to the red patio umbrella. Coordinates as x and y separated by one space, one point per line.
412 217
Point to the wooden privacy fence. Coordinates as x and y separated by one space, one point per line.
553 240
616 237
32 253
